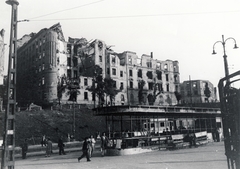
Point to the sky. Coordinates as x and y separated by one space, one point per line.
182 30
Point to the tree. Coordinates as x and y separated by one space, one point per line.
60 90
109 89
178 96
72 85
101 87
97 87
207 92
157 89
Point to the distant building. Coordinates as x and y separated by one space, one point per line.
198 91
45 59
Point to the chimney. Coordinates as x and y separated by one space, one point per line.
151 55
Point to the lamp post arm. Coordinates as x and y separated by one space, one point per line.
216 43
232 39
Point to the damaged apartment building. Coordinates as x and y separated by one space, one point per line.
46 59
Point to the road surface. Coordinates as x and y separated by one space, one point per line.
210 156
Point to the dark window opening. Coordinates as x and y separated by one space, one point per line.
85 95
68 61
167 79
85 82
121 73
130 72
150 86
140 73
167 87
131 84
121 86
114 71
159 75
149 75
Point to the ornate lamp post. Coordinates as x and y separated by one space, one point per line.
223 42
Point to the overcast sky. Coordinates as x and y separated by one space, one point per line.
182 30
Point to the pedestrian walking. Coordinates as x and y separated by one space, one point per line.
61 146
85 150
92 145
217 135
43 141
48 148
104 141
24 149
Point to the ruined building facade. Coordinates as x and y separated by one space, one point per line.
45 58
198 91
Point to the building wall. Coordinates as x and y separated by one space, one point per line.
46 58
123 68
37 67
193 91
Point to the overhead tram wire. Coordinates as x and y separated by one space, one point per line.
65 10
130 16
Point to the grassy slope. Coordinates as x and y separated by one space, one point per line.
33 124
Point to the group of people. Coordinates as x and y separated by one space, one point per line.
49 149
87 147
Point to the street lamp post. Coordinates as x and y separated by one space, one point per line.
223 42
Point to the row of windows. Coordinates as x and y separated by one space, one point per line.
149 74
93 97
150 85
149 63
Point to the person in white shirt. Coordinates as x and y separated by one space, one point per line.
92 143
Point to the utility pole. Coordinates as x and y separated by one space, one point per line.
8 153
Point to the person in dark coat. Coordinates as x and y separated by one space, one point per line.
61 146
48 147
85 149
24 149
43 141
104 141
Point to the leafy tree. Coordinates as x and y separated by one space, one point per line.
72 85
102 87
207 92
97 87
109 89
178 96
157 89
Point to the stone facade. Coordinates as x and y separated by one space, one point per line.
45 59
193 91
161 77
37 69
